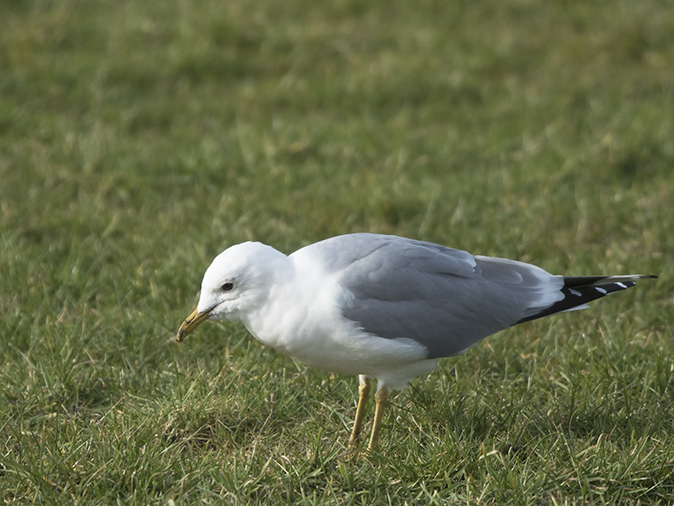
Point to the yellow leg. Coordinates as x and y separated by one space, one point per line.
380 397
363 393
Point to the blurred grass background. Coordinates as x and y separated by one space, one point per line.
139 139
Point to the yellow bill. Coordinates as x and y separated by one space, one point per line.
192 322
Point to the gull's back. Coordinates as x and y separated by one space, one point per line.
446 299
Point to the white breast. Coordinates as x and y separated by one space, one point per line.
322 338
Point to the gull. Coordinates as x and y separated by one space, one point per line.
381 306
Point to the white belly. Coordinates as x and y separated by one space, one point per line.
303 319
325 340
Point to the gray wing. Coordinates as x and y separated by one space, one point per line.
446 299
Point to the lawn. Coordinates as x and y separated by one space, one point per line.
139 139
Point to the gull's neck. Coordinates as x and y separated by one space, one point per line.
281 316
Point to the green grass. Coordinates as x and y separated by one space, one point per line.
139 139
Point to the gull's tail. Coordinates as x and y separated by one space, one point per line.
579 290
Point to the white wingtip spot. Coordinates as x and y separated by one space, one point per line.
575 292
621 285
600 290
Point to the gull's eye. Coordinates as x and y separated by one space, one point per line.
227 287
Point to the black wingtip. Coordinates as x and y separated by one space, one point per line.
579 290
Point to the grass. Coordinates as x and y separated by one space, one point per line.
139 139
